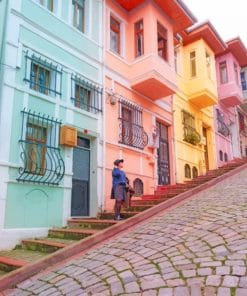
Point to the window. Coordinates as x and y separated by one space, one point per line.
241 122
225 157
138 187
162 41
43 76
47 3
243 81
131 129
222 127
190 134
208 64
115 35
79 14
236 72
192 64
223 72
36 148
86 95
42 161
194 172
139 39
187 171
221 155
176 60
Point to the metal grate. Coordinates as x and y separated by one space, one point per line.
130 125
42 161
86 95
222 126
42 75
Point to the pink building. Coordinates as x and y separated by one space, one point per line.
228 67
140 80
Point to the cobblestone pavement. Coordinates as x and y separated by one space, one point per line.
198 248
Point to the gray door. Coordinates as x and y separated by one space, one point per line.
80 180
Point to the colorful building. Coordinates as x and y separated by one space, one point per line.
51 85
195 52
227 117
140 81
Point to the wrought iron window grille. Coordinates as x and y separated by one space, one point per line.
86 95
43 76
191 135
40 153
222 126
130 125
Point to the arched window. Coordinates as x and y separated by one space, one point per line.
187 171
221 155
138 186
194 172
225 157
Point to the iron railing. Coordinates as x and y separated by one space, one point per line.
40 84
223 128
40 154
191 135
86 95
132 134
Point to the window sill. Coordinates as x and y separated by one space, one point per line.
115 54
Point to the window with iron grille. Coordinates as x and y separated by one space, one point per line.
194 172
222 127
138 187
190 133
221 155
40 153
43 76
79 14
130 123
86 95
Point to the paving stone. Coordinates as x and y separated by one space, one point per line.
243 282
224 292
238 270
230 281
204 271
181 291
189 273
241 292
209 291
213 280
165 292
223 270
175 283
132 287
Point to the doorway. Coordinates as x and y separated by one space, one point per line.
81 178
163 155
204 133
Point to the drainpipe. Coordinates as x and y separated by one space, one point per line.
103 112
174 143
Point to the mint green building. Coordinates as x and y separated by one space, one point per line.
51 117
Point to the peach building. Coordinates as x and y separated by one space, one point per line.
140 81
229 117
195 52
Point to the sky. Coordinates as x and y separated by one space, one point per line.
229 17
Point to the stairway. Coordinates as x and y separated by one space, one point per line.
32 250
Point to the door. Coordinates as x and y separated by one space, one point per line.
204 132
163 155
80 181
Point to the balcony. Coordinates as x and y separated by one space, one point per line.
230 94
153 77
191 135
223 128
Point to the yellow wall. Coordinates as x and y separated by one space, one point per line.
186 152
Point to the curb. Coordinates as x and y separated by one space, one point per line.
29 270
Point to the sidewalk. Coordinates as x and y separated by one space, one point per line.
198 248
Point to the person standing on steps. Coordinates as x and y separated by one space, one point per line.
118 186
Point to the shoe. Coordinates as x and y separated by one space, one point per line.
118 218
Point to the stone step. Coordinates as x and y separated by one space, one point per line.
145 202
42 245
2 273
23 255
124 215
139 208
90 223
8 264
70 233
150 196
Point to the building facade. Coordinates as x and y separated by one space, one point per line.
227 116
51 153
193 103
140 81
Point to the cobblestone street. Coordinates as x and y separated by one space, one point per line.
198 248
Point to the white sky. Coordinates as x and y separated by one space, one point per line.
229 17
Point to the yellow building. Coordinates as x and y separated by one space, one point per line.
193 103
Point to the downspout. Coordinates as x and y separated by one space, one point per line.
174 143
103 112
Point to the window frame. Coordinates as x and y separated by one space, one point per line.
208 64
76 6
138 33
223 67
193 67
243 80
162 33
118 32
235 67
